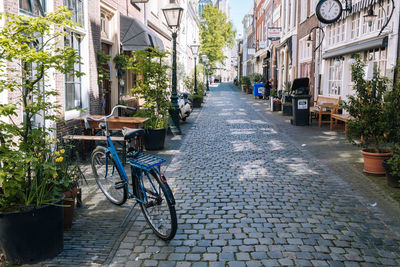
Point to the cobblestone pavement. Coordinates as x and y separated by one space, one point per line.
247 196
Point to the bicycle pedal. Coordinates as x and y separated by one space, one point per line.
120 185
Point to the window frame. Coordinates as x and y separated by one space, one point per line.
76 81
41 7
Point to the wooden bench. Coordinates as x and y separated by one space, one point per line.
340 117
100 138
324 106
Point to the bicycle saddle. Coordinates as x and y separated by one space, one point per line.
131 133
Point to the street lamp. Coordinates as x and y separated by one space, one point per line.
173 14
205 60
195 50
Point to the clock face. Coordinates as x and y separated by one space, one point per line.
329 11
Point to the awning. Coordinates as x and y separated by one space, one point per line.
136 36
363 46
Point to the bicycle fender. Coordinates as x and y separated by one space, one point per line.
170 196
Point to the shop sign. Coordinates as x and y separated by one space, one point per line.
251 51
262 44
274 33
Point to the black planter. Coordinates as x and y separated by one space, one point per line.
197 102
27 237
276 106
392 180
287 110
154 139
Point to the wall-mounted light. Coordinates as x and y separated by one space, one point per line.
338 62
310 40
351 60
370 16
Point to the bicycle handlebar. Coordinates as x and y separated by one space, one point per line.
87 126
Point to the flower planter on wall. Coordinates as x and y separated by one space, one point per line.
30 236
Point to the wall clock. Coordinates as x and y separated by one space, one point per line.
328 11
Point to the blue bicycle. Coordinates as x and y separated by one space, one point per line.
148 185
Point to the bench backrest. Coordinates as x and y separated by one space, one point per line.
331 100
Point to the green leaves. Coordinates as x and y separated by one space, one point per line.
32 48
371 113
216 32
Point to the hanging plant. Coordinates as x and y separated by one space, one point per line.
121 62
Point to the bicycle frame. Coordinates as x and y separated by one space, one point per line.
120 168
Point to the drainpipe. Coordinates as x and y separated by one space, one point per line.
398 48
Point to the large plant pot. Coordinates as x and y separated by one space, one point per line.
69 207
154 139
392 180
197 102
373 161
287 110
30 236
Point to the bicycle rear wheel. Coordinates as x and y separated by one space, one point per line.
157 204
107 176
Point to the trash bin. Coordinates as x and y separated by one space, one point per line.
258 89
300 102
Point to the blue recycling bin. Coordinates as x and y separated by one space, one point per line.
258 89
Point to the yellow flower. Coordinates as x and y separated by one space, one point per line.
39 154
62 151
55 175
59 159
57 153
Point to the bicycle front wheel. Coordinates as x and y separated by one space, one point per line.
107 176
157 204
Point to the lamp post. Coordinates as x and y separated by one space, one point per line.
204 58
195 50
173 14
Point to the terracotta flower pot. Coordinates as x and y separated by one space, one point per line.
69 211
373 161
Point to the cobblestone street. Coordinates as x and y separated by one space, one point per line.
247 196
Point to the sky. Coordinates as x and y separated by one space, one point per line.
239 8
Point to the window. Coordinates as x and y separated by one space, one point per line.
355 26
105 25
73 83
313 5
30 72
335 77
76 7
376 60
303 11
305 50
33 7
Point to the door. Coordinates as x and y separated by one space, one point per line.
106 85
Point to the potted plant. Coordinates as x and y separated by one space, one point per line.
392 168
287 107
68 176
369 122
245 82
152 87
31 214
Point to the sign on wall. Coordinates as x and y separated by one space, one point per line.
274 33
251 51
262 44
